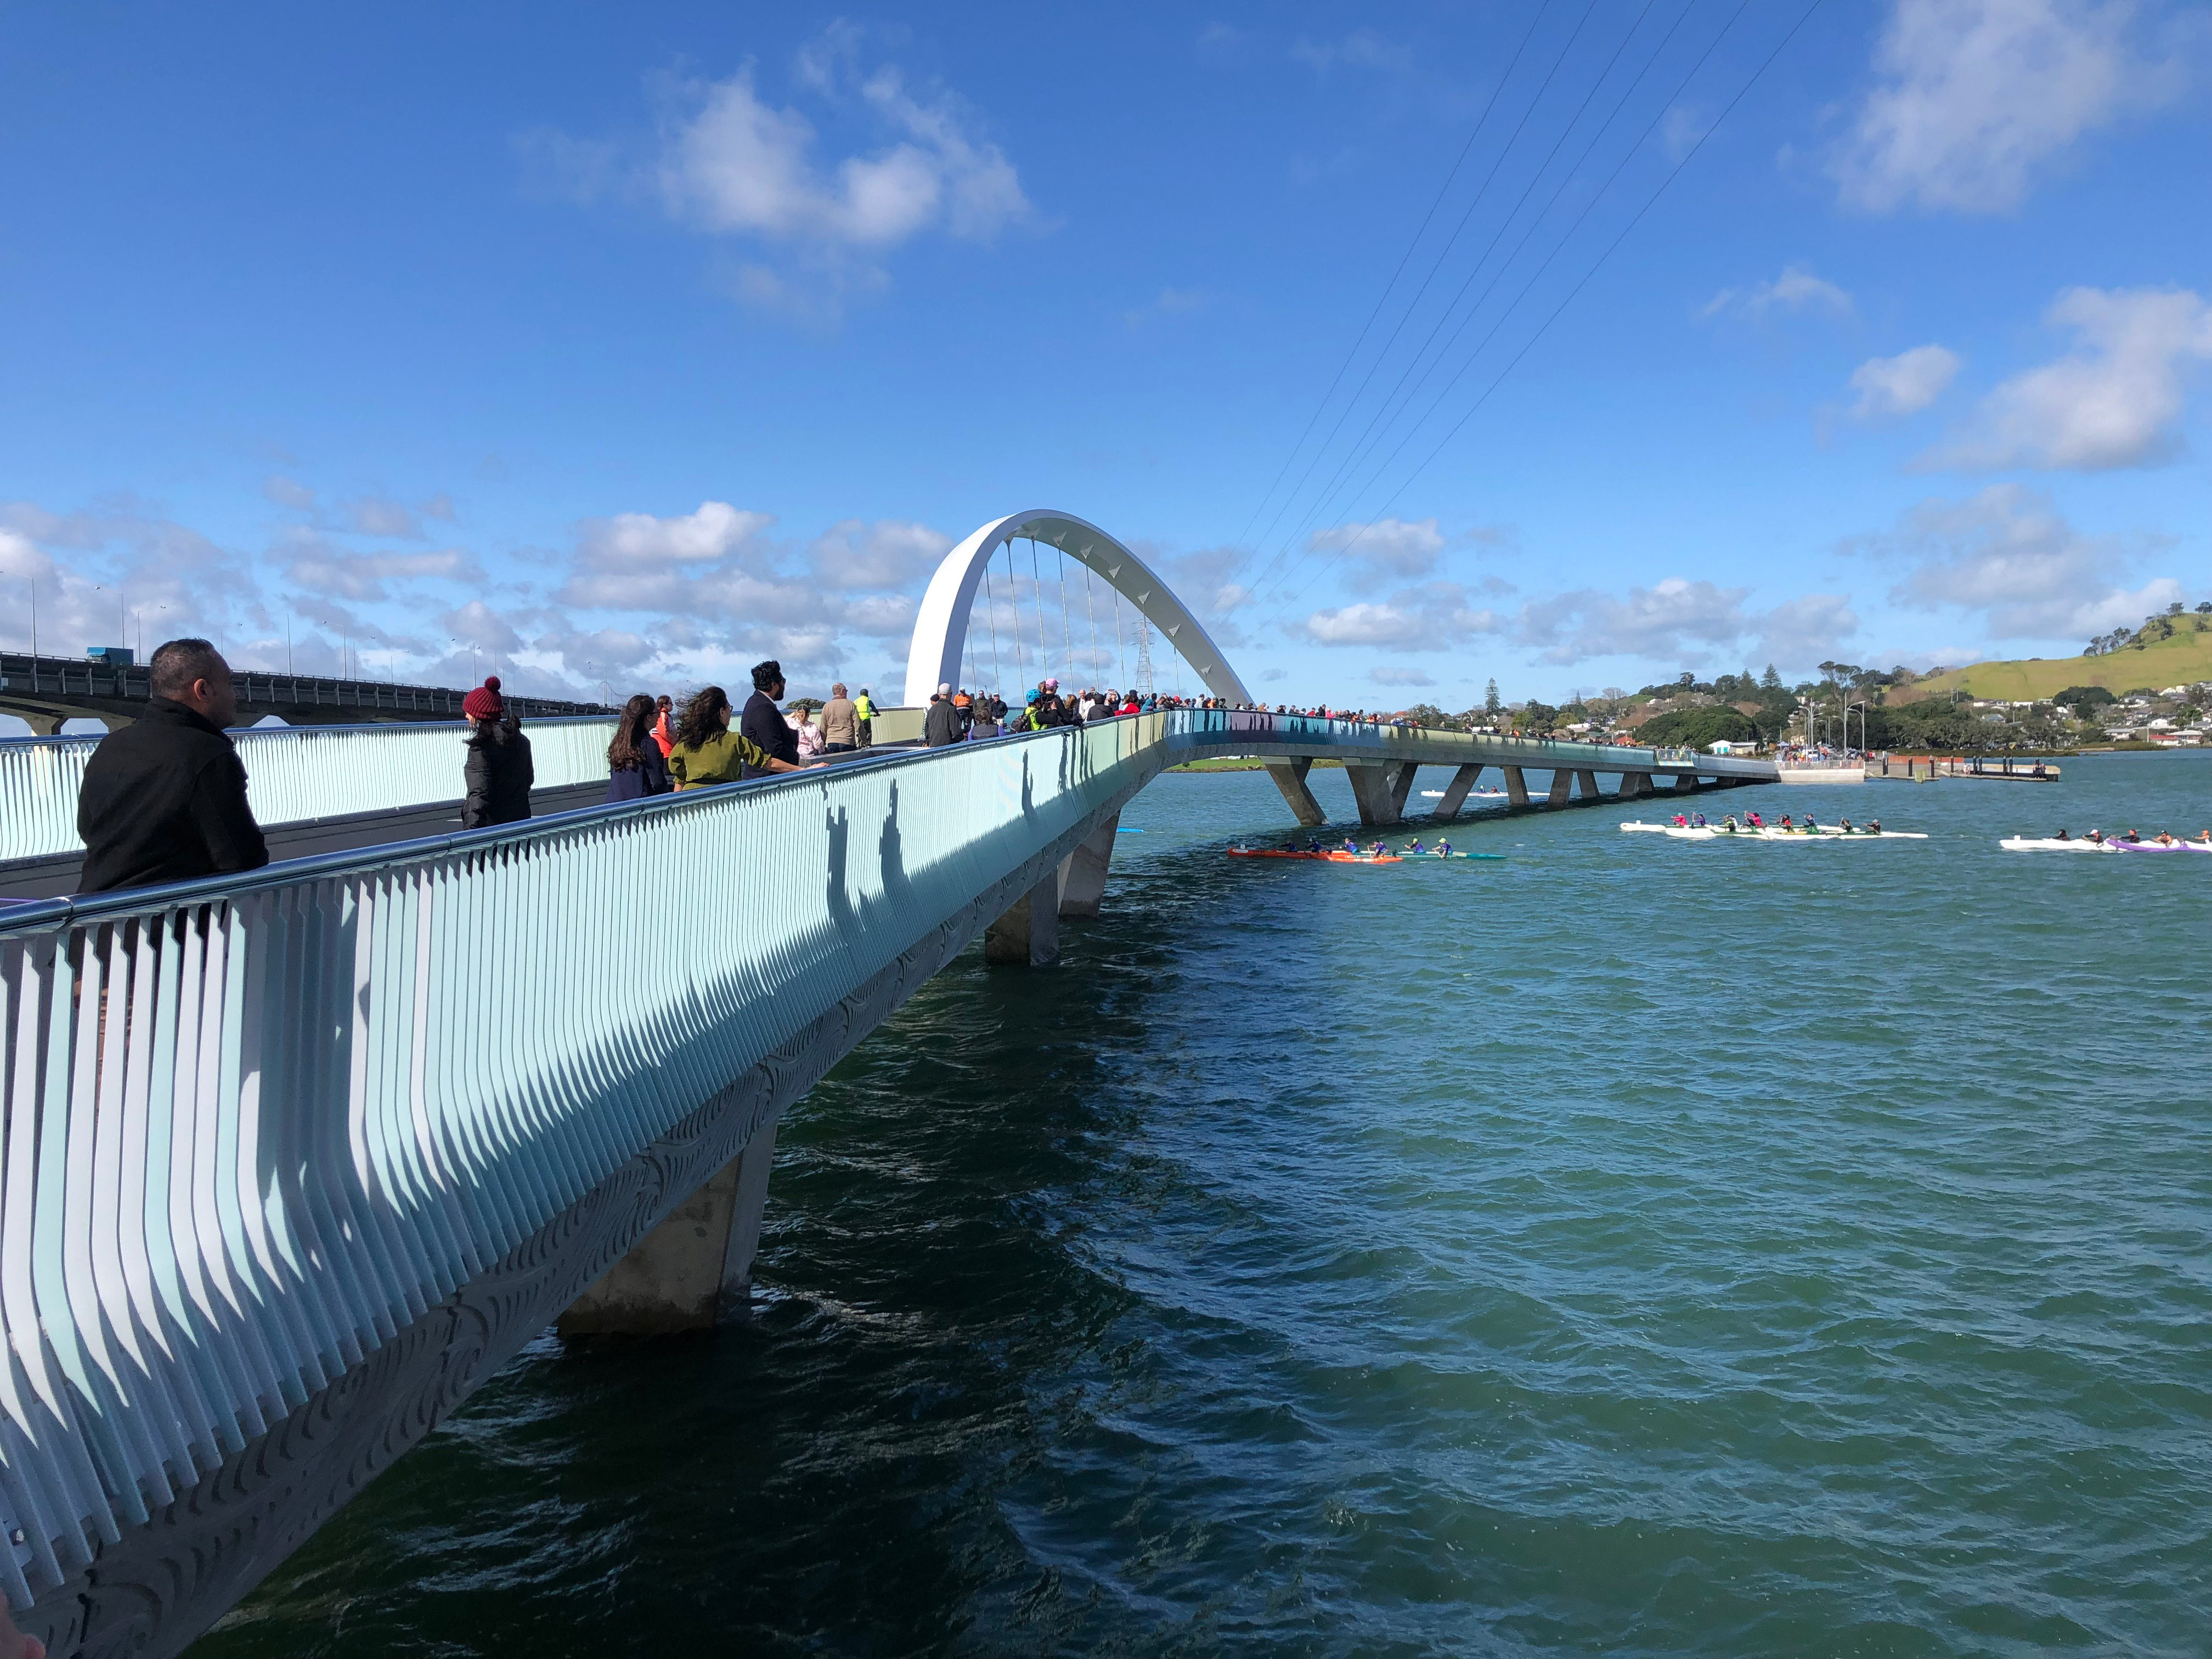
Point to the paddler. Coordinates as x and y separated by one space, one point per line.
1352 846
1845 828
1443 848
1754 820
2062 836
1698 822
1378 850
1785 826
1874 826
2097 836
1416 848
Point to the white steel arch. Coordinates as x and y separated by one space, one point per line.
942 624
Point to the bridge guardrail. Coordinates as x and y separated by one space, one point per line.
254 1127
293 773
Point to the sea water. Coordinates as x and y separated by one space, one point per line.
1636 1247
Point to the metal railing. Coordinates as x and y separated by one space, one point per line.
63 677
293 773
257 1125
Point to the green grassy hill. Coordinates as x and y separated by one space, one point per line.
2181 660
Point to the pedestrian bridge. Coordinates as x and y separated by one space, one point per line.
293 1160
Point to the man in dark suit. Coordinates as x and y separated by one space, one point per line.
763 722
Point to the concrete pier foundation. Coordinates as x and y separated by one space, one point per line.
1563 782
1290 777
1455 792
1684 782
694 1270
1633 784
1027 934
1083 872
1586 784
1517 787
1381 791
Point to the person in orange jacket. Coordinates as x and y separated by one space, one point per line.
661 733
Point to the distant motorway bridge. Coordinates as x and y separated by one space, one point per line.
47 691
293 1160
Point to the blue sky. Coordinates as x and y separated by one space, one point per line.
633 345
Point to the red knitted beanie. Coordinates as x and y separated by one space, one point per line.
483 703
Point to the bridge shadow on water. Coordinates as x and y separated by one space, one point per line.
826 1478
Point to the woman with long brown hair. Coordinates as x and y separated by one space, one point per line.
707 752
635 766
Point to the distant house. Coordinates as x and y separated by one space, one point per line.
1726 746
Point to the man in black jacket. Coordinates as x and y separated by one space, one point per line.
164 798
763 722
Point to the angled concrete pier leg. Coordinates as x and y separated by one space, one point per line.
1402 788
1517 787
1374 787
1633 784
1684 782
1586 785
694 1270
1562 781
1083 872
1455 792
1028 935
1290 777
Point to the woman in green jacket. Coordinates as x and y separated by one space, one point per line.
707 751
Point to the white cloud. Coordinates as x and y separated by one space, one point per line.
1400 677
1904 384
288 492
1973 97
888 553
735 163
1361 49
2114 402
642 542
1796 289
1398 546
1433 617
2008 553
1678 621
315 565
379 515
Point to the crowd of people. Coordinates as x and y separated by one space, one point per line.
164 798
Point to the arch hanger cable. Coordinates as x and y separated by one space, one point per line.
1743 92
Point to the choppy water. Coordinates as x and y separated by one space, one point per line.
1633 1248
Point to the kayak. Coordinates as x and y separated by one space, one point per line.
2157 847
1722 832
2053 844
1337 857
1416 857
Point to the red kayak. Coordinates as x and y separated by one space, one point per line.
1325 857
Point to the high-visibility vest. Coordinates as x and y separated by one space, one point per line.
862 708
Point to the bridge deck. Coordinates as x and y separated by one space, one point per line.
293 1159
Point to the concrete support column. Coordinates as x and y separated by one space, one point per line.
1633 784
1402 788
1083 872
694 1270
1380 792
1586 784
1028 935
1517 787
1290 777
1684 782
1562 781
1455 792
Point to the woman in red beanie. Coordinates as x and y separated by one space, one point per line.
498 769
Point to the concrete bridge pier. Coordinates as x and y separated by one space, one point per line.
1027 934
1634 785
1563 782
1686 782
1290 777
1586 784
694 1270
1455 792
1083 872
1381 791
1517 787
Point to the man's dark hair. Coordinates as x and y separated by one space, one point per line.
767 674
173 666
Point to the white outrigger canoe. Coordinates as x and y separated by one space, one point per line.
2082 844
1718 832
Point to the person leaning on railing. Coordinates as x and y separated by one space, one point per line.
707 752
164 798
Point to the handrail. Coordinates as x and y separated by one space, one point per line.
293 773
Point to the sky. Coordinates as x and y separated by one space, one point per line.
1569 343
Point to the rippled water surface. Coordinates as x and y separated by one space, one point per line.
1633 1248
